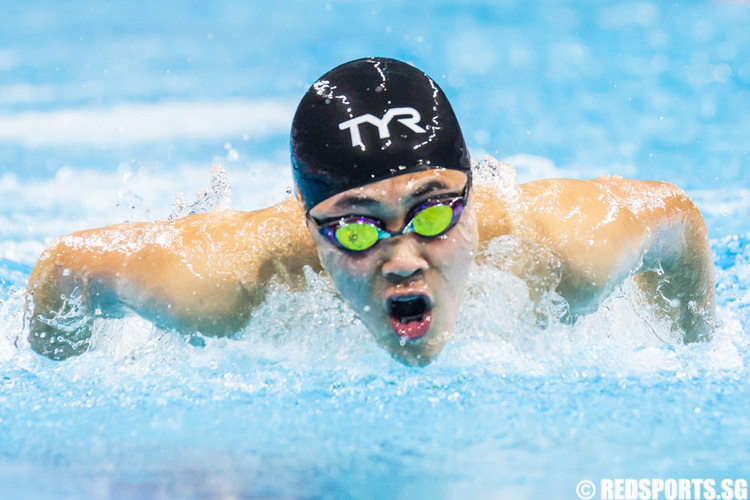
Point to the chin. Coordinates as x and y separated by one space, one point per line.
420 352
414 360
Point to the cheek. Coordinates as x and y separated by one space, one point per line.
456 252
351 275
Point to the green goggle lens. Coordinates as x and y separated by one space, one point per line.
357 236
432 220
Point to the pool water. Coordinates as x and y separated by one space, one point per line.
107 111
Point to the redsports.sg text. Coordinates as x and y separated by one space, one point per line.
673 489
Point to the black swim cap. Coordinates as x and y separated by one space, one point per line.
368 120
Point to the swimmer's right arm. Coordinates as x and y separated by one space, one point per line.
204 272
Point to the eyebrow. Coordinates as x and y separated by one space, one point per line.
427 188
368 202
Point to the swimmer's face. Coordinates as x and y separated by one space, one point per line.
407 289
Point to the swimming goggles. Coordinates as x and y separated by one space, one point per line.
429 219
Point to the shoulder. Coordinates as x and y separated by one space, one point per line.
603 193
590 223
649 198
564 205
632 187
568 208
602 215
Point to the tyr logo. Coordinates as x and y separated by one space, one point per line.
411 121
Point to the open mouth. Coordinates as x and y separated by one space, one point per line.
410 315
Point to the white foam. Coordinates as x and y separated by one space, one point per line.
147 123
11 317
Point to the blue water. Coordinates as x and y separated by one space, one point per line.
108 109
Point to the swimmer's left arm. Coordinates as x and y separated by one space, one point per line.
610 228
677 268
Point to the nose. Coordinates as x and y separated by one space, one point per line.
404 262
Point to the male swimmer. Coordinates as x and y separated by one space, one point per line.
386 207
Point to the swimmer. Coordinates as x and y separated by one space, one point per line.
386 206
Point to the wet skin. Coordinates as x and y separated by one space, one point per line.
207 272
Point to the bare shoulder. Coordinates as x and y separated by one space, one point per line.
614 188
223 242
122 241
569 210
600 228
631 187
645 196
577 208
606 198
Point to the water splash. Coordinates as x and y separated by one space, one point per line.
501 176
218 196
12 275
